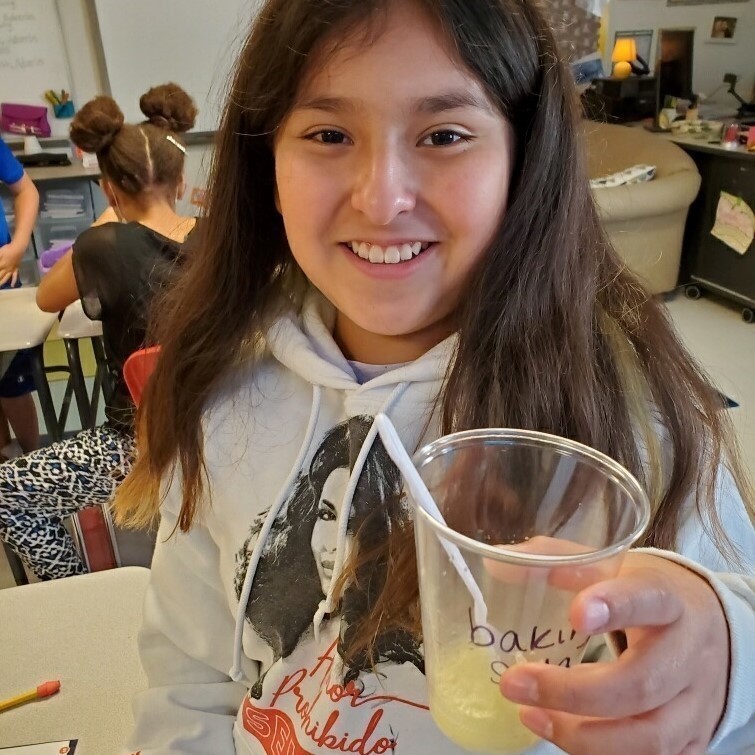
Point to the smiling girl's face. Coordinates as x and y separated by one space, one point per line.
392 173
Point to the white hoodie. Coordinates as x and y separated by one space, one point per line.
294 468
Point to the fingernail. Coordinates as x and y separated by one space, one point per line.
520 687
537 721
596 615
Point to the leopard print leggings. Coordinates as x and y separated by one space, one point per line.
40 489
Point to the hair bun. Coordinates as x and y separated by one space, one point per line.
169 107
95 126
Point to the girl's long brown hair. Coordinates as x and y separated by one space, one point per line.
554 333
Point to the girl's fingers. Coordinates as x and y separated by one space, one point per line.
639 598
652 672
681 726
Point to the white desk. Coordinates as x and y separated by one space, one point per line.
23 325
63 172
697 144
82 631
75 324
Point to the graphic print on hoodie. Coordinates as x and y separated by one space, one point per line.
296 706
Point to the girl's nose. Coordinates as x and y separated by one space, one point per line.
384 187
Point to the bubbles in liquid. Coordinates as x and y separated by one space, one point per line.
468 707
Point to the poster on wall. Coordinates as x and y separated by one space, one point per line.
723 29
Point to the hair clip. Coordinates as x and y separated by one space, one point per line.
178 144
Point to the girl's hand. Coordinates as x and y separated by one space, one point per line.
10 257
665 694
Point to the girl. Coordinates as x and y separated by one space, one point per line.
400 221
115 269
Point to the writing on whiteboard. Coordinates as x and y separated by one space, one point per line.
20 45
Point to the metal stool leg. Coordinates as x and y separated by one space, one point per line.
43 391
105 383
77 381
16 566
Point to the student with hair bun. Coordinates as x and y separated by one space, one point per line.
115 268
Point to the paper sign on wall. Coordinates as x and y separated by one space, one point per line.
735 223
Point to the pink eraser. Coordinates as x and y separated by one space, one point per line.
48 688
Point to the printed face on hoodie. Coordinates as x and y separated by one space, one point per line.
325 531
392 174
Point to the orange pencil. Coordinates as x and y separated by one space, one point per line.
44 690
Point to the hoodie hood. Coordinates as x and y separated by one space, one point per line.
305 346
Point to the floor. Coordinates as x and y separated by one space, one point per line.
715 334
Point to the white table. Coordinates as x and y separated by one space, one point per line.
23 325
82 631
75 324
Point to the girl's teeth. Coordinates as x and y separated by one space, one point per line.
391 255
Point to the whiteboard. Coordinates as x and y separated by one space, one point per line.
32 52
191 42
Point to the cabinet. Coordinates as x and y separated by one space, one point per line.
621 100
708 263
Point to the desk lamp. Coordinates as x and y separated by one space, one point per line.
745 108
624 51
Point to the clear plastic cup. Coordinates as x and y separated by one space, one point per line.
536 519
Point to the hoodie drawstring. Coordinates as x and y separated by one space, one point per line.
235 673
327 605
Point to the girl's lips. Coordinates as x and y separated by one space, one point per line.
385 271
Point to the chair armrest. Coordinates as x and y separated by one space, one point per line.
658 197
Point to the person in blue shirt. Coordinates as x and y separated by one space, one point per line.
17 410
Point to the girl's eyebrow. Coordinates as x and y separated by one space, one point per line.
325 502
433 105
455 100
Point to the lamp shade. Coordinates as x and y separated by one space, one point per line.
624 50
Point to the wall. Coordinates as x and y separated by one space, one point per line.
82 54
710 60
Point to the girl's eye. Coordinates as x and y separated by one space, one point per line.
326 512
444 138
328 136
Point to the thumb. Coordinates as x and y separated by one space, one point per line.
641 598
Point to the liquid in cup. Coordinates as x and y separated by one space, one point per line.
536 519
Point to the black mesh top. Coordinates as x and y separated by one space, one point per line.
119 267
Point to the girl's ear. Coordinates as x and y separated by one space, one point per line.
107 190
181 190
